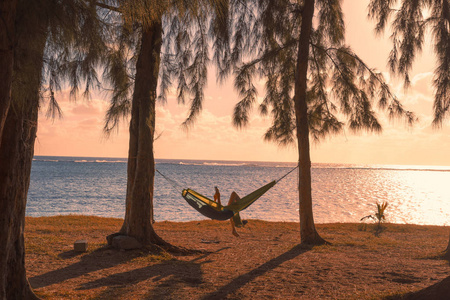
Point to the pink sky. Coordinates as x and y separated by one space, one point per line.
79 132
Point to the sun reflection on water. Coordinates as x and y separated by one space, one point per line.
415 196
414 193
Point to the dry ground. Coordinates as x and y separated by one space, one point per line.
264 263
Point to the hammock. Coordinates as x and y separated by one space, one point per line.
213 210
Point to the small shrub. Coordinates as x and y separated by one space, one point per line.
379 215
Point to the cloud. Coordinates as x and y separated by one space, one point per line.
91 107
423 83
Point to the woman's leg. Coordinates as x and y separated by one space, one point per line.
233 228
233 198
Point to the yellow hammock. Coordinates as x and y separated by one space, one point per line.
213 210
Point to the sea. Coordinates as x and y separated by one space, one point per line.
341 192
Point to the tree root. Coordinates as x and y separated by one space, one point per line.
311 243
313 240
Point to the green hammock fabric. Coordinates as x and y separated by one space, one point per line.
214 210
246 201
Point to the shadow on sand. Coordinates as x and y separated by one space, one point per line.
168 276
244 279
169 273
437 291
99 259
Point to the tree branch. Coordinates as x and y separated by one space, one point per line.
106 6
271 53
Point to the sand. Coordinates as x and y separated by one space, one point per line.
265 262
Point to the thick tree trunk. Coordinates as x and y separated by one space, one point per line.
16 153
7 43
447 251
141 163
308 233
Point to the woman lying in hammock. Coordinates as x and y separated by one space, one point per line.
233 198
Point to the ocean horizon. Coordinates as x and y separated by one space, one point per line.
62 185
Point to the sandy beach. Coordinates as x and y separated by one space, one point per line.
265 262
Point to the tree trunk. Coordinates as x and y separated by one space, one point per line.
7 43
141 162
16 153
447 251
308 233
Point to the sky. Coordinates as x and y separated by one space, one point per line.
79 132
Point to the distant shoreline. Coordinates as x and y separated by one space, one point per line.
251 163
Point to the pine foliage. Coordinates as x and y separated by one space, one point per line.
342 89
73 50
190 30
411 21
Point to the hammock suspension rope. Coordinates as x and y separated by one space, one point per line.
175 185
